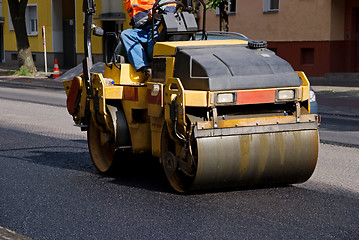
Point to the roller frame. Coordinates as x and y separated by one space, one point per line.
215 132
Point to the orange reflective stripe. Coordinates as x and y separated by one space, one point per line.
142 8
170 5
129 8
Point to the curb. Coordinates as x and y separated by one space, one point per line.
31 82
336 113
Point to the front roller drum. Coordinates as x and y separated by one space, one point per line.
249 159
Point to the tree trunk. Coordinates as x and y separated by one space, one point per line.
17 12
223 16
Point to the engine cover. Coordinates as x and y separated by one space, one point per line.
231 67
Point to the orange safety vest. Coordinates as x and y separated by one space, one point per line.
138 9
133 7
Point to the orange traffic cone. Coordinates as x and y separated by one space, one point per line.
56 70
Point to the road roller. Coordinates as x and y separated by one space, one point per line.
217 114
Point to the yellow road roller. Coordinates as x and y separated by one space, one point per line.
217 113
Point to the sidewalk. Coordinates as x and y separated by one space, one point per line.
42 79
337 94
44 82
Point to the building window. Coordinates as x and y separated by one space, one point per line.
273 50
11 26
307 56
270 6
13 56
30 20
232 7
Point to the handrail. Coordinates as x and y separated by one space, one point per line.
88 7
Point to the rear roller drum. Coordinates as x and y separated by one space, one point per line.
101 146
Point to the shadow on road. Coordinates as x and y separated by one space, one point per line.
134 171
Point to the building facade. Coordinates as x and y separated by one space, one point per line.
63 23
318 36
2 20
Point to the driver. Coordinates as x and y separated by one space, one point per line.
138 40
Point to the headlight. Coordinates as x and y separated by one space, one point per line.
155 90
312 97
223 98
286 94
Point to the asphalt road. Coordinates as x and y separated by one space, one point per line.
50 189
340 130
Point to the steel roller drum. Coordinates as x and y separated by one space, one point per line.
265 158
